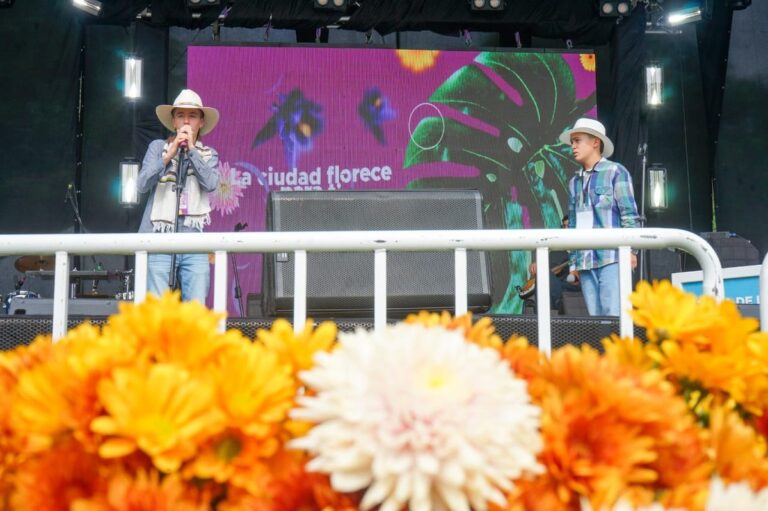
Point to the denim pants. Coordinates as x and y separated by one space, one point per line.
193 273
600 288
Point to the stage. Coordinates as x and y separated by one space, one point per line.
22 329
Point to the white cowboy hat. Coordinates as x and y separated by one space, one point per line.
590 127
188 98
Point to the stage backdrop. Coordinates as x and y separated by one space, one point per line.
309 118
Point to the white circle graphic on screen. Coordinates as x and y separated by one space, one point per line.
442 122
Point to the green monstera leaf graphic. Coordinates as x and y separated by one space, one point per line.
508 110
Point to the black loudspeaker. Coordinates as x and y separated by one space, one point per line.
18 330
341 284
732 249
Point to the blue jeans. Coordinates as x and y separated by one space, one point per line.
600 288
193 274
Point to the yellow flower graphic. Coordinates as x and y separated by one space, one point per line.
588 61
417 60
164 412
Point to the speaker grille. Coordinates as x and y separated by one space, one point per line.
342 283
17 330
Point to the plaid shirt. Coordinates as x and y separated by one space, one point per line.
608 189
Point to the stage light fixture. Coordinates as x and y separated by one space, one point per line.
684 16
332 5
129 177
92 7
654 85
132 77
615 8
487 5
657 185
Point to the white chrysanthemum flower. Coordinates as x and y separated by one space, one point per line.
419 417
735 496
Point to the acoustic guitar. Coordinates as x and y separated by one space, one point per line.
529 288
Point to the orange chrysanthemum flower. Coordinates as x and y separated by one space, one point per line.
482 332
168 330
669 313
145 491
417 60
254 389
528 363
628 352
165 412
290 488
612 430
298 349
739 451
588 61
56 478
58 395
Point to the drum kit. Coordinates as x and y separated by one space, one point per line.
43 266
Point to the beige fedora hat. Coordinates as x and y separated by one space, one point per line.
590 127
188 98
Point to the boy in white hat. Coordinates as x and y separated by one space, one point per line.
181 160
601 197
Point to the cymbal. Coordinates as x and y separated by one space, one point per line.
34 263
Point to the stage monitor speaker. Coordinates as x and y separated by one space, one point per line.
731 249
341 284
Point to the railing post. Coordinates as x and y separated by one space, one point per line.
299 290
625 289
542 301
140 278
764 295
60 296
460 276
379 289
220 286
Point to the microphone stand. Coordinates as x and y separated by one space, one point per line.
236 275
180 183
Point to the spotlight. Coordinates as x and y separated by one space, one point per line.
657 184
623 8
684 16
132 77
198 4
92 7
615 8
129 176
654 85
332 5
487 5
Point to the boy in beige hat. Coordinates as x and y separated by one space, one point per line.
601 197
183 164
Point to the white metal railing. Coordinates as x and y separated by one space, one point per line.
764 295
377 242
